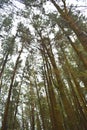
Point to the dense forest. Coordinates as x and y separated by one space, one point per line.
43 65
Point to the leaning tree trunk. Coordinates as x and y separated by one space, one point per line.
47 95
67 106
17 101
80 95
4 63
5 117
73 97
56 115
81 35
81 121
80 54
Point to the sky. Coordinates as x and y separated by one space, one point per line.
49 7
82 3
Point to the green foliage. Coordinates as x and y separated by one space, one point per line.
8 44
24 33
7 23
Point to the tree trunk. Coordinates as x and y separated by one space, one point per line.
5 118
17 102
56 116
4 63
81 121
32 117
82 103
81 35
16 110
47 96
67 106
78 52
40 108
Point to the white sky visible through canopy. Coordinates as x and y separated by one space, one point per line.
81 3
49 8
82 6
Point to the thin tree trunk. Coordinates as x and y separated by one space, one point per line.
47 95
17 102
4 63
16 110
38 123
32 117
41 111
5 117
32 106
23 122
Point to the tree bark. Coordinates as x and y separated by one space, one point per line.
5 118
67 106
56 115
78 52
80 97
4 63
81 35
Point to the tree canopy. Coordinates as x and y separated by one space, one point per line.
43 65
